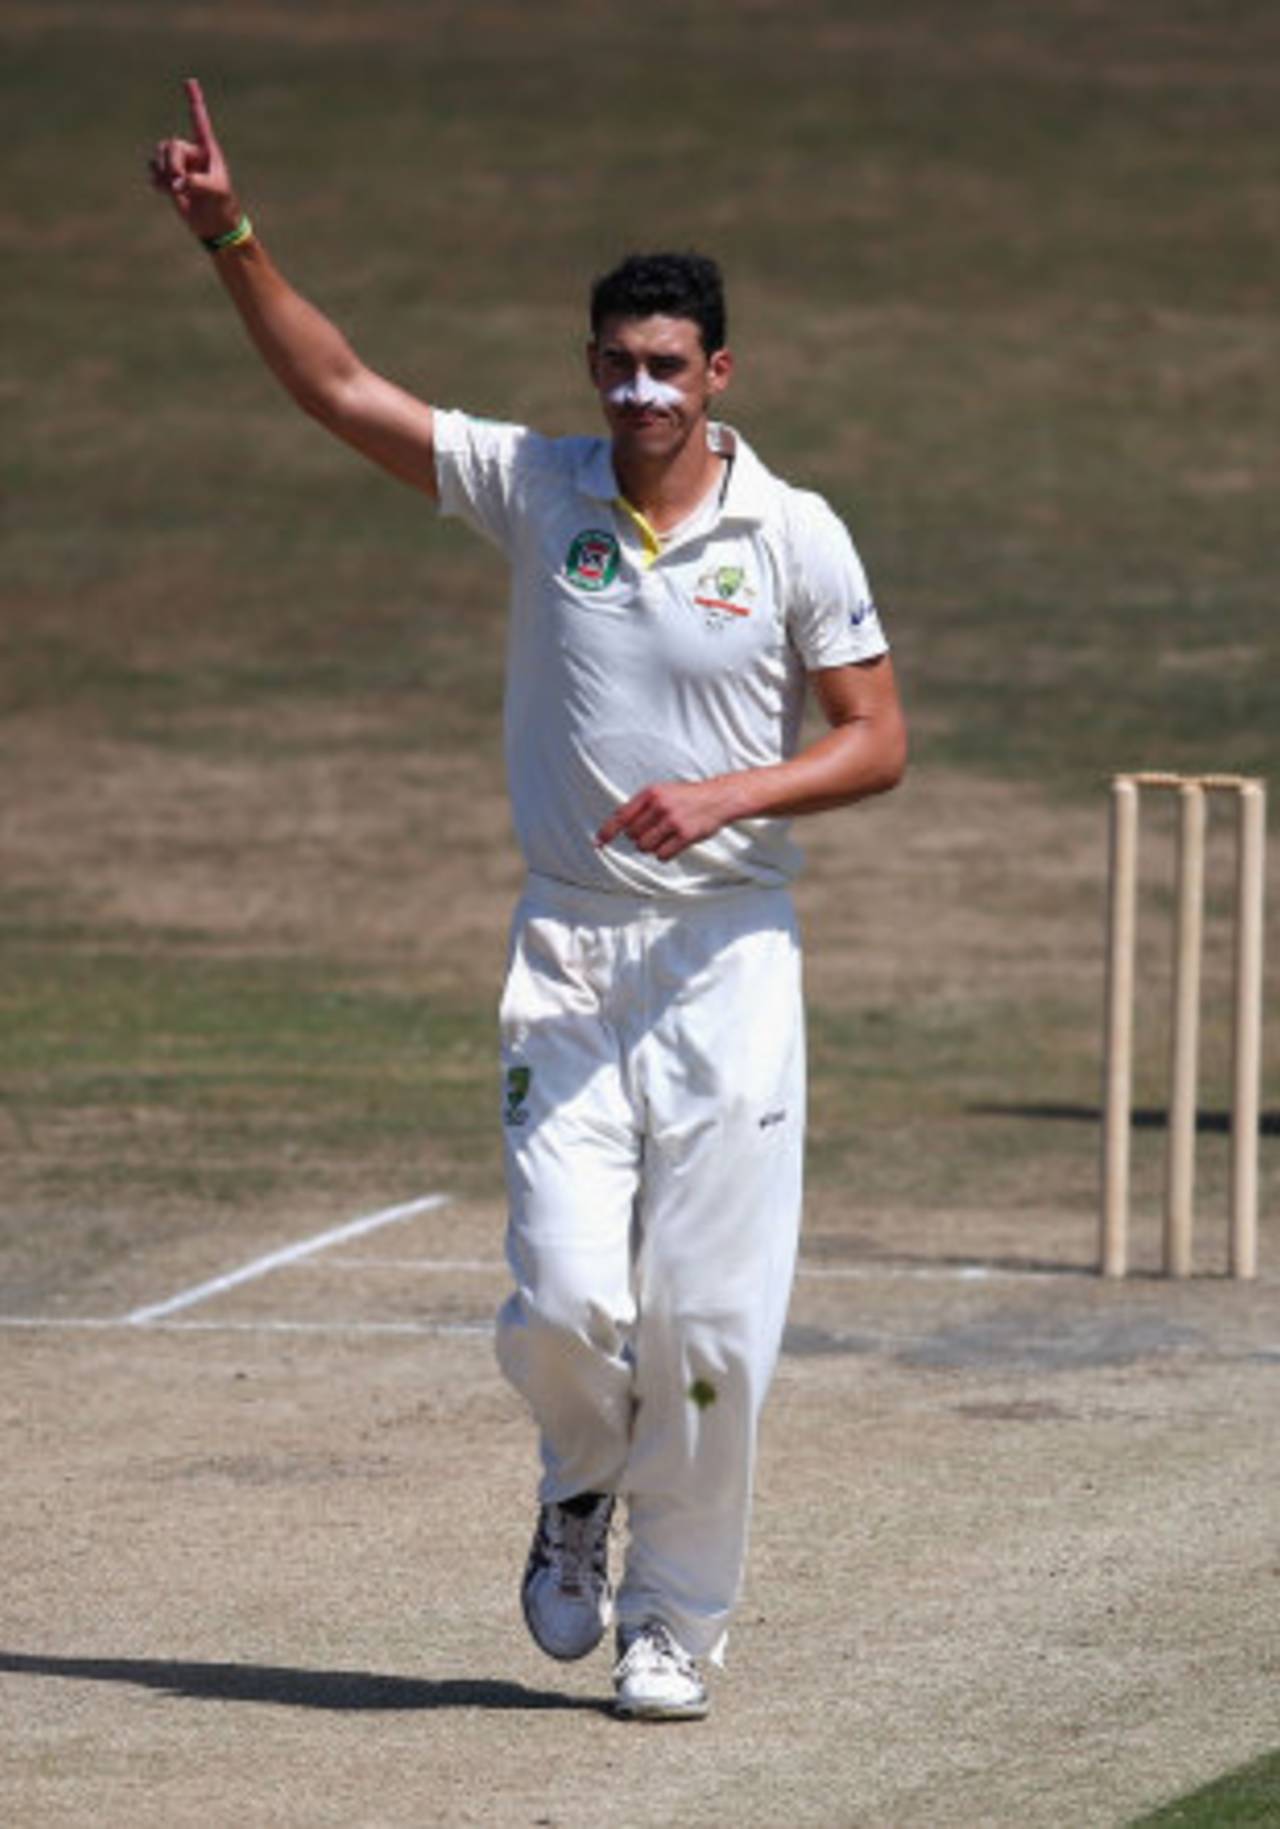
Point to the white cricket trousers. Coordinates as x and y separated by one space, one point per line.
653 1086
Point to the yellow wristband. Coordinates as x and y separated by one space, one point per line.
230 238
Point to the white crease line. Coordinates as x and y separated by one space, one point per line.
108 1324
834 1273
469 1330
439 1266
288 1254
1268 1353
933 1273
61 1323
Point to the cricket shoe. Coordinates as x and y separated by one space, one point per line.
655 1678
565 1593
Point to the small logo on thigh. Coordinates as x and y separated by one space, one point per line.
518 1082
771 1118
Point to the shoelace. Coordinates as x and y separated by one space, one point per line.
651 1649
574 1545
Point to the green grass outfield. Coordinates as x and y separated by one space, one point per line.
1003 284
1005 292
1244 1800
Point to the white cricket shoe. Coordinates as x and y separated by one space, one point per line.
655 1678
565 1593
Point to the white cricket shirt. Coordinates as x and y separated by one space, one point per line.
626 667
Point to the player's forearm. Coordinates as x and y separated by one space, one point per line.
307 353
861 756
852 762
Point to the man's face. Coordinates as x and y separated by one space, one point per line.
655 380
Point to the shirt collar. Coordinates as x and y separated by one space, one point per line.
746 498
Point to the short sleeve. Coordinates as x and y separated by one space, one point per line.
478 467
832 618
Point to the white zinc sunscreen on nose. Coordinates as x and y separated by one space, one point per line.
642 390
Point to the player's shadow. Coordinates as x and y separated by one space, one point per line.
344 1691
1143 1117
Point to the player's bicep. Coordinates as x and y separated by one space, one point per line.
388 425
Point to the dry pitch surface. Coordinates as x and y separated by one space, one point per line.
1014 1562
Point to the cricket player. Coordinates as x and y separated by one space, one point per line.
671 602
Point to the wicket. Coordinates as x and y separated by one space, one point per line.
1250 798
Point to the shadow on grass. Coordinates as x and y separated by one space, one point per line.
1144 1117
345 1691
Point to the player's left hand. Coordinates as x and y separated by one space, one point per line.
666 818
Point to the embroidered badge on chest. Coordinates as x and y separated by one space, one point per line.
592 560
724 596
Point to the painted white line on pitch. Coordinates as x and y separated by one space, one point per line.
933 1273
433 1266
52 1324
55 1324
834 1273
276 1260
482 1330
448 1329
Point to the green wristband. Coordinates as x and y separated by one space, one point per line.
230 238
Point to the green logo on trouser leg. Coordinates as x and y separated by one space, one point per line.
519 1080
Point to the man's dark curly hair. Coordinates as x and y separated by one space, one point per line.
669 285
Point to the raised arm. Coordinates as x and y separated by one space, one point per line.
308 355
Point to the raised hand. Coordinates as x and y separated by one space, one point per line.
193 173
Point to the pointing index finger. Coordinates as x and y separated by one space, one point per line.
201 125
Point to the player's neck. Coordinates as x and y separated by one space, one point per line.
667 489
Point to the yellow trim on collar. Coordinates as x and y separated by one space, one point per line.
644 527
